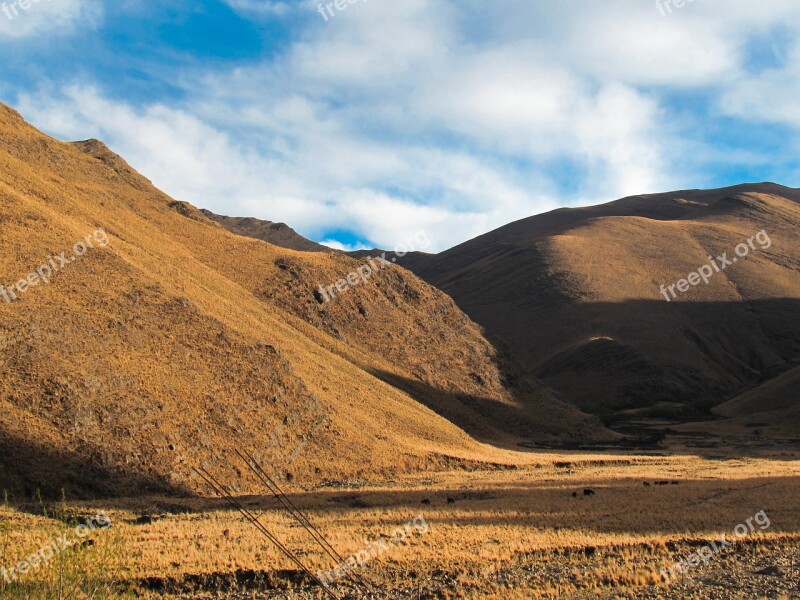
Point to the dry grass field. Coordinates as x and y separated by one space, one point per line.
511 531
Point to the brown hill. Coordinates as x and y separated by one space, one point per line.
277 234
779 392
576 294
176 342
411 261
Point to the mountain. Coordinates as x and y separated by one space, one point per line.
577 296
277 234
141 339
411 260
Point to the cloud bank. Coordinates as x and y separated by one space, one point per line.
448 117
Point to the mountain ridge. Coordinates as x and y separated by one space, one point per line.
632 374
277 234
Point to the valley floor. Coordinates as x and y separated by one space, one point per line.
565 525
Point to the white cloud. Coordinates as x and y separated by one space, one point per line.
260 8
769 96
48 16
336 245
446 117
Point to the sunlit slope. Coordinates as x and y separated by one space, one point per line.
773 406
577 295
178 342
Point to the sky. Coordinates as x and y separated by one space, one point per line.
368 122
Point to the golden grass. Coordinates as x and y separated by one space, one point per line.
505 528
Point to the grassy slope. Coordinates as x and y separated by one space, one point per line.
575 293
277 234
179 342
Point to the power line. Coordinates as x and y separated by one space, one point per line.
221 491
301 518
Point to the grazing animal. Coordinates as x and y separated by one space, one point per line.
574 494
588 492
426 501
646 483
451 501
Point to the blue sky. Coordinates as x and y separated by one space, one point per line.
367 125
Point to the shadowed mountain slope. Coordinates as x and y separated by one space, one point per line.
177 342
779 392
277 234
411 260
576 295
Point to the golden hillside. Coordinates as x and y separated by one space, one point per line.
176 342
